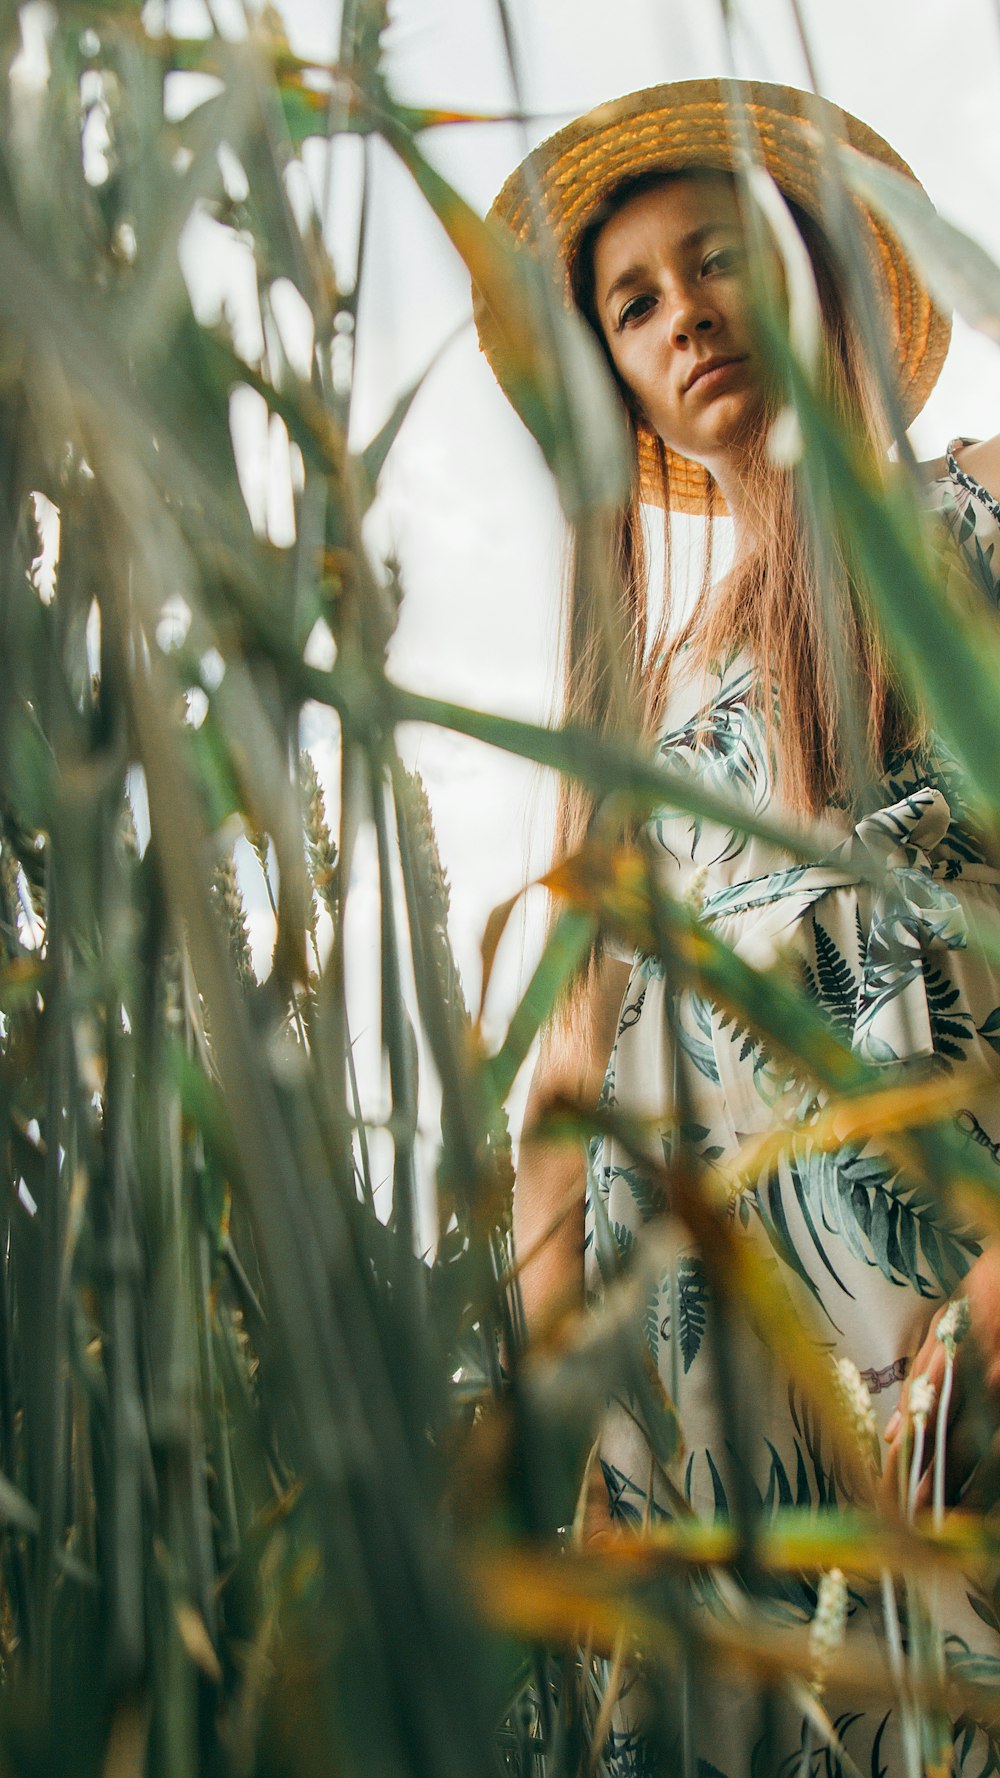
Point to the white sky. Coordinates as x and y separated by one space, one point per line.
466 502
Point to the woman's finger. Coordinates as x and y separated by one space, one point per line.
972 1453
889 1485
973 1423
929 1363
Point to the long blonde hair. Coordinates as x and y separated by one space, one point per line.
772 603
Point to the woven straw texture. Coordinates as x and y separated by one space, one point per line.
688 123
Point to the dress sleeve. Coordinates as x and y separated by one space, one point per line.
970 519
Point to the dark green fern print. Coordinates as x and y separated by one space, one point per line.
748 1040
646 1196
692 1308
834 986
652 1323
951 1025
624 1239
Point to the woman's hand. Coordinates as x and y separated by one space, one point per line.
551 1176
596 1527
973 1433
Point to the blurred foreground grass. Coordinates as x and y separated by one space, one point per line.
265 1506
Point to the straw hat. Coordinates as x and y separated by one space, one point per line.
688 123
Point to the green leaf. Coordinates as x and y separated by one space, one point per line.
150 305
948 651
608 766
958 272
555 374
375 453
565 950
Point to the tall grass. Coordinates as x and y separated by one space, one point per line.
269 1505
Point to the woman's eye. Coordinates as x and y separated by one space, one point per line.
635 309
724 259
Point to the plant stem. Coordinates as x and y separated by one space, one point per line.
941 1440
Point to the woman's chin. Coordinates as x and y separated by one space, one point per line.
734 423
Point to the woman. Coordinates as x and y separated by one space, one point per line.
747 695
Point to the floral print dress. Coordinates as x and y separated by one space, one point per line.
869 1255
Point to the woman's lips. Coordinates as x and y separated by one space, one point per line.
713 374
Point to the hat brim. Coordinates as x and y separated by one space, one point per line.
689 123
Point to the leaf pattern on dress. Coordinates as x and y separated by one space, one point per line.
699 1136
646 1196
951 1023
890 966
769 1199
695 1038
749 1040
774 1078
973 1667
718 1487
723 746
901 1230
627 1502
652 1322
633 1755
692 1308
624 1239
779 1487
984 1610
834 986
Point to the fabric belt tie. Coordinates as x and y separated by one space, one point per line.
913 912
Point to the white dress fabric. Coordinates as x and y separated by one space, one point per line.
871 1255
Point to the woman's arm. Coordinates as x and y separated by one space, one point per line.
550 1189
551 1177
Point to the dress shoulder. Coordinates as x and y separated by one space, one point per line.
970 518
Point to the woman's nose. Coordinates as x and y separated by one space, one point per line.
691 319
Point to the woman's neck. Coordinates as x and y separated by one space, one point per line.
742 485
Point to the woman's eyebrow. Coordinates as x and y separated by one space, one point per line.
689 243
634 274
699 235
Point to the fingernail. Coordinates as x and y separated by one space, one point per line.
893 1425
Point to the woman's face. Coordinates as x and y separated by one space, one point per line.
670 295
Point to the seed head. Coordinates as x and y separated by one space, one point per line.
127 835
922 1395
826 1632
856 1400
229 901
321 848
259 842
954 1324
694 894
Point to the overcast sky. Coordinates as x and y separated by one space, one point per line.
466 502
